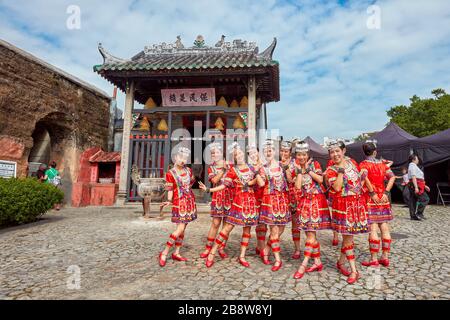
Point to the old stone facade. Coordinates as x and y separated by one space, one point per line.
47 114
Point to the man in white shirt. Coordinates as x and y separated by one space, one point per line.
414 171
418 195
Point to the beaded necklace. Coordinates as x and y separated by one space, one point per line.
216 172
308 183
277 181
244 177
351 174
183 182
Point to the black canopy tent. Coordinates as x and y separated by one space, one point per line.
317 152
393 143
396 144
434 151
354 150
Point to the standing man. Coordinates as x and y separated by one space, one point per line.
418 195
405 183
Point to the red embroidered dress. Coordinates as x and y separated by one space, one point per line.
221 200
184 209
275 203
377 171
329 189
296 193
292 196
259 192
313 212
349 211
244 209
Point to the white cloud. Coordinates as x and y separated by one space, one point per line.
337 77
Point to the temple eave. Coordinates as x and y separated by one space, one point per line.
171 65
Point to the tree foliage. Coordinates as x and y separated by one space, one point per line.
423 117
365 136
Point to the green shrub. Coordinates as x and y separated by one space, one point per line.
25 200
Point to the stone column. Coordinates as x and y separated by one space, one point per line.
207 196
251 124
265 116
125 156
112 117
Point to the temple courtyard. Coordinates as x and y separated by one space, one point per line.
111 253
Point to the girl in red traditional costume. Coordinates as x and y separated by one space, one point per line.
287 163
313 213
275 204
330 193
378 205
349 210
221 200
179 181
244 209
261 229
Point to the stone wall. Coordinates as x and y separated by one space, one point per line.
33 93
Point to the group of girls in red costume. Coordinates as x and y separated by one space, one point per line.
269 194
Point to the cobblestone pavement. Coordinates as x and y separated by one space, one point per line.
116 253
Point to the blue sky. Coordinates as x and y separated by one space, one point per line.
338 77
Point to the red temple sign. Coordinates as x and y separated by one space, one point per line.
188 97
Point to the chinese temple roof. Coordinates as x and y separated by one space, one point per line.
175 56
226 66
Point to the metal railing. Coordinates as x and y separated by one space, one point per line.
147 152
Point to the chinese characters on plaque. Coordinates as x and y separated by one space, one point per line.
8 169
188 97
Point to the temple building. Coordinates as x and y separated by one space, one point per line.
192 88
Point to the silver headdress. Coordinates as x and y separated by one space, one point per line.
286 145
334 143
372 141
251 147
215 145
295 140
184 151
269 144
302 147
234 146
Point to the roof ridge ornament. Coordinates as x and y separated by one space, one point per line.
267 54
199 47
109 58
199 42
178 43
220 43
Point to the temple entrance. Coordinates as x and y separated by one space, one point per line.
196 125
54 139
41 146
51 135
